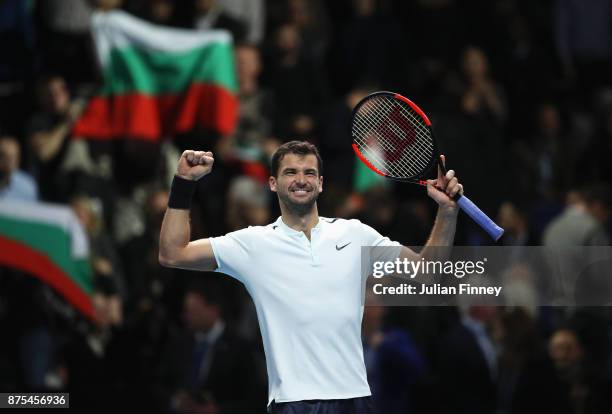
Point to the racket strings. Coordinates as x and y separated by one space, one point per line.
374 126
396 130
403 145
375 153
405 128
424 142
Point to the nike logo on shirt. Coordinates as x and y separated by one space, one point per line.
342 247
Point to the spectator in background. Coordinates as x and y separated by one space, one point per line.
313 23
335 140
47 134
382 210
528 382
514 220
251 13
148 283
248 204
92 359
14 183
206 369
299 86
567 354
160 12
581 389
393 362
209 15
468 363
104 258
544 165
471 111
519 344
251 143
480 95
582 223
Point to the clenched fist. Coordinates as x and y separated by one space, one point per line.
194 165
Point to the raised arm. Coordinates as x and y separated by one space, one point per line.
175 247
442 190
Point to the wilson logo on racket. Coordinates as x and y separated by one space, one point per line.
393 137
397 134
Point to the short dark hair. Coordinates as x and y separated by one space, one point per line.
302 148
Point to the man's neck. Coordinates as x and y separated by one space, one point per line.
304 222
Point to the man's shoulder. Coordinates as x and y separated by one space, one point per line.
353 225
253 231
341 222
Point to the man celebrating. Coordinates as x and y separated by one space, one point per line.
303 273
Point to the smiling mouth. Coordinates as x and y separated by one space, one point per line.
300 191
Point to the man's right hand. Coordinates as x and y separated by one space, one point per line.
194 165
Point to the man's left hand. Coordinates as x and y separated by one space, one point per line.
444 188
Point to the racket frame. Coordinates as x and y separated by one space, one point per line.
463 202
433 162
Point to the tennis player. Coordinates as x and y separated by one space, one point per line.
303 273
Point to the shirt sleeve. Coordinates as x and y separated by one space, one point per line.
380 248
371 237
232 253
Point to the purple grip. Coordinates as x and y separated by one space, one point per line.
479 217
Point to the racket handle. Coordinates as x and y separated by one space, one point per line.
479 217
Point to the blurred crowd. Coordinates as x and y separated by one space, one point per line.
520 97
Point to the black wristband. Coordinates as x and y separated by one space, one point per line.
181 193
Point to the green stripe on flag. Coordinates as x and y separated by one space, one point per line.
149 72
53 242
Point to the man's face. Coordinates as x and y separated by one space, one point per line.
247 62
57 97
565 349
298 182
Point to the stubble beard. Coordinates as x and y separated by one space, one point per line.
298 209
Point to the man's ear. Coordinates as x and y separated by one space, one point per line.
272 183
320 184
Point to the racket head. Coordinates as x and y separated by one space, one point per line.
393 137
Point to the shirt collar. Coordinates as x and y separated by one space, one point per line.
292 232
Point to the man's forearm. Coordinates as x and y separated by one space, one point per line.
175 247
442 235
175 234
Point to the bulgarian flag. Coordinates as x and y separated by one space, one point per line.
48 242
159 81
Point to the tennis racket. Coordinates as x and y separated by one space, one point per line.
393 137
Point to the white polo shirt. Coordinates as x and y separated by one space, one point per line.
308 296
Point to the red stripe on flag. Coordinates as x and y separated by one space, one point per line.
152 117
20 256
